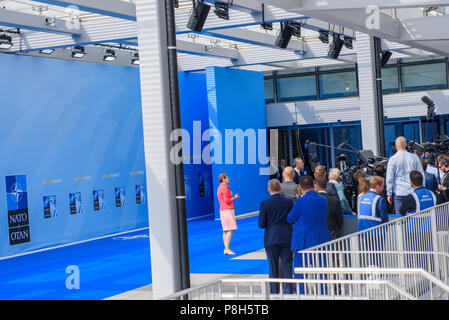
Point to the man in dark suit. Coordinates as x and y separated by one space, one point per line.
289 187
300 170
335 216
278 234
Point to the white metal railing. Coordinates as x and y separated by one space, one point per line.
324 284
407 258
427 230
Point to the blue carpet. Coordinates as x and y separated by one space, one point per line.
114 265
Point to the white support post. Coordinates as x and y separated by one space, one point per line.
367 91
165 261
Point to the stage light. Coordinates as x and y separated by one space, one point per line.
385 57
198 16
285 35
176 3
267 26
5 42
348 42
109 55
222 10
46 51
78 52
324 36
335 47
296 28
135 60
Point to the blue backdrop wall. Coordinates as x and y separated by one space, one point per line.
236 101
74 130
195 120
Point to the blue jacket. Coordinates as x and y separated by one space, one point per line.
309 216
273 218
372 210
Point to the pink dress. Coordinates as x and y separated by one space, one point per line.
227 215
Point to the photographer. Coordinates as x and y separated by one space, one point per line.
444 186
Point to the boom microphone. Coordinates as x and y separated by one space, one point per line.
430 106
427 101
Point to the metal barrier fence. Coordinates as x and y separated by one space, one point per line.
323 284
407 258
420 240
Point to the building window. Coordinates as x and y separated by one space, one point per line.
269 90
296 88
424 76
340 84
390 80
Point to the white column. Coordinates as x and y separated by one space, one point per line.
156 129
367 91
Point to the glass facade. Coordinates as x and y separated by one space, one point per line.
296 88
399 75
390 80
341 84
424 77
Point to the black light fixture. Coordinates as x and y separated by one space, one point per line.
5 42
78 52
176 3
285 35
198 16
296 28
135 59
109 55
348 42
385 57
222 10
324 36
335 47
46 51
267 26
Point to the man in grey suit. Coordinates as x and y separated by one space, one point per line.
289 187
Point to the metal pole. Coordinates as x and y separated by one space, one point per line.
379 97
176 124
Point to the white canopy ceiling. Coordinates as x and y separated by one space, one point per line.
408 28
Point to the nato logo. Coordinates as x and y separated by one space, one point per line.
17 204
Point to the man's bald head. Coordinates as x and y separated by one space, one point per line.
288 173
401 143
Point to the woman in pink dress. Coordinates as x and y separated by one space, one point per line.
227 215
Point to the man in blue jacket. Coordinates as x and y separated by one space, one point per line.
278 234
308 216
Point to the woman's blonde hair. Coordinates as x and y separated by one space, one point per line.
320 171
222 176
334 174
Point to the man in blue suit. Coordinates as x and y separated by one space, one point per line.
309 216
278 234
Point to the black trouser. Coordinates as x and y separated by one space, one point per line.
282 253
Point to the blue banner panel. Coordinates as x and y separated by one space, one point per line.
71 128
237 142
17 206
194 122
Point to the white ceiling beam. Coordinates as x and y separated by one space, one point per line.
253 37
320 5
196 49
114 8
98 31
94 54
15 19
